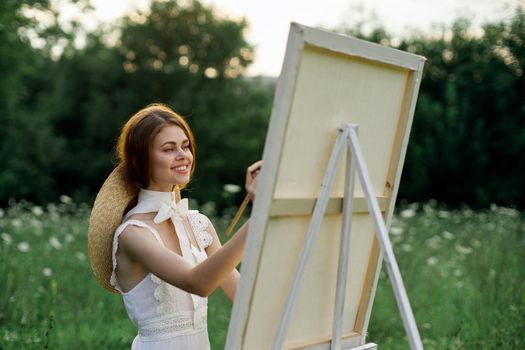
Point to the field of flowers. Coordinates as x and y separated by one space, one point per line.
464 272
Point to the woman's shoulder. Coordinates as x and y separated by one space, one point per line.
202 228
137 234
198 220
137 223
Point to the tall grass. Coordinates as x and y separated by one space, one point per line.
464 272
465 276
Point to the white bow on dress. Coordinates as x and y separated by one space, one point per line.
172 210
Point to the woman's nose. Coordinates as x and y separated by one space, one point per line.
180 154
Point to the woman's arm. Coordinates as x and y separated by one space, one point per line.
202 279
230 283
229 286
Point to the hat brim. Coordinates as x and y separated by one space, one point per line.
111 202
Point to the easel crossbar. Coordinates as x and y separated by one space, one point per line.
347 139
305 206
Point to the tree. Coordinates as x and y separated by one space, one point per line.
28 148
191 59
468 137
183 56
468 131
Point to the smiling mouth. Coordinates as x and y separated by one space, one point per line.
181 168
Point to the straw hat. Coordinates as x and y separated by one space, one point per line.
110 204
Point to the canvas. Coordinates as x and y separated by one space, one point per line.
327 79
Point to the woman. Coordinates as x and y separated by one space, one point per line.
145 244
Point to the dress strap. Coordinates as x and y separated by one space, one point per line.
118 232
139 223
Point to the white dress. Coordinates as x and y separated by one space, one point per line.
166 317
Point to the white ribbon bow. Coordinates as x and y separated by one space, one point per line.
172 210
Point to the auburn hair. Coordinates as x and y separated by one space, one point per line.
135 139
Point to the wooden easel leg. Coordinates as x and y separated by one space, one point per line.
386 247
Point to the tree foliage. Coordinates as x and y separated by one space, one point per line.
469 125
27 144
469 128
60 114
65 114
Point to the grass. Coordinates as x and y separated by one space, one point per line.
465 275
464 272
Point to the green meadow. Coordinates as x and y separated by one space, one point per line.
464 271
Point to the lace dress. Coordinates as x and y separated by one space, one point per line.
166 317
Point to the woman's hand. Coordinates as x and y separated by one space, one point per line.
252 178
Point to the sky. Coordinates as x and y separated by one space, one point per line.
269 20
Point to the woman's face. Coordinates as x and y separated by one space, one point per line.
170 159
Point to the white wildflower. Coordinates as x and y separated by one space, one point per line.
408 213
430 207
459 284
37 210
396 239
448 235
37 226
443 214
427 325
69 238
414 206
432 261
407 247
54 216
16 222
10 336
396 230
54 242
51 208
80 256
463 250
47 272
23 247
433 242
65 199
513 213
476 243
6 238
23 319
36 340
458 272
231 188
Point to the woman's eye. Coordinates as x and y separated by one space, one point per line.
168 150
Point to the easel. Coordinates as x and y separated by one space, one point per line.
347 139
